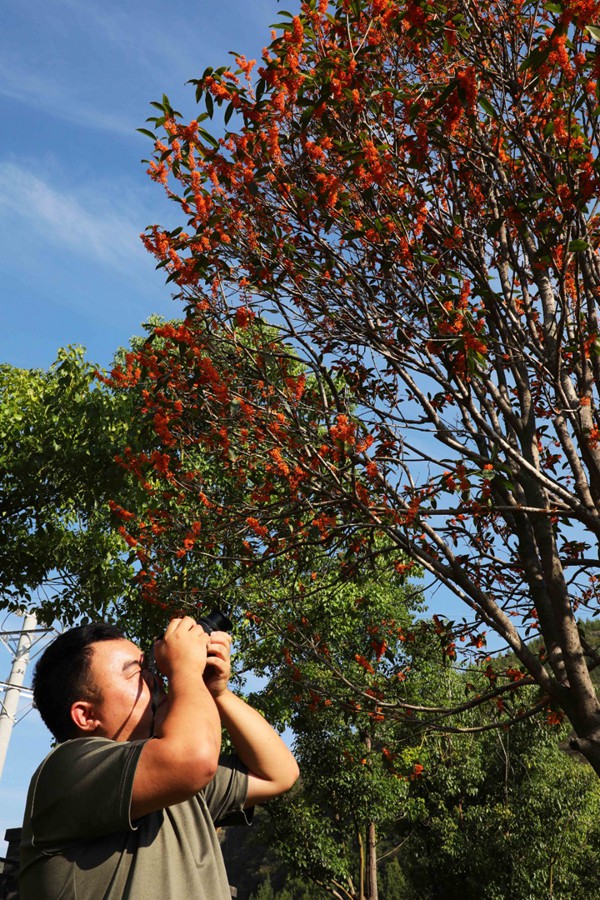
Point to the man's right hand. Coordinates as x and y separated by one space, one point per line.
182 648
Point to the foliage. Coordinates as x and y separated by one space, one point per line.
293 889
60 553
506 815
393 883
503 814
408 191
193 476
327 658
361 762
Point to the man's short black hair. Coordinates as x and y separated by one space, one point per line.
62 675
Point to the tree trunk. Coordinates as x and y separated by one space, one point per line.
361 866
372 890
371 835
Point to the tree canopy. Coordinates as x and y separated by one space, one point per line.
408 191
60 430
505 814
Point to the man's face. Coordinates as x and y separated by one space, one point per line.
125 710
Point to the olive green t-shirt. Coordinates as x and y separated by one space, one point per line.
80 844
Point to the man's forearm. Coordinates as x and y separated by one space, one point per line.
269 761
191 712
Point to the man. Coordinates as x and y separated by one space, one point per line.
126 805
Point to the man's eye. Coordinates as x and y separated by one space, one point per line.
142 668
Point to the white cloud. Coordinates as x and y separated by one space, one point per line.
81 220
99 65
42 92
128 31
198 33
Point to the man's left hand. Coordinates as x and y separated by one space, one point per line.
218 663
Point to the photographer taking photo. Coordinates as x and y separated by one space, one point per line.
127 804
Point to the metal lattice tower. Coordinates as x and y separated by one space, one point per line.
19 644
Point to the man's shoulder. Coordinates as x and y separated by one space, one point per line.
82 787
73 748
83 752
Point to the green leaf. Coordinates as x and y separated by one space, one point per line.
146 132
208 137
536 58
487 107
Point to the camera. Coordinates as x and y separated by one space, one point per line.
214 621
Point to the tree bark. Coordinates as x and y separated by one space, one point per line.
361 864
372 889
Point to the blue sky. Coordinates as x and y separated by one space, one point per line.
76 80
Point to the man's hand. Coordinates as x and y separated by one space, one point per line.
218 663
183 648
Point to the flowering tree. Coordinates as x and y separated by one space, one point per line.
408 192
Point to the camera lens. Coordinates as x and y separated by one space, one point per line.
215 621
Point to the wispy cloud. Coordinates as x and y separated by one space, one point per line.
133 29
60 99
193 39
98 65
81 220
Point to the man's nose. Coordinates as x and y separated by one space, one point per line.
153 681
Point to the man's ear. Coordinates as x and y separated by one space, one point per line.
84 716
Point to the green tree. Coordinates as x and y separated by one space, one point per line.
327 666
507 815
504 814
393 882
60 550
264 892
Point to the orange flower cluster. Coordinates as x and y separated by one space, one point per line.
260 530
364 663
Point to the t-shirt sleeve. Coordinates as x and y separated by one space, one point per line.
82 791
226 794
